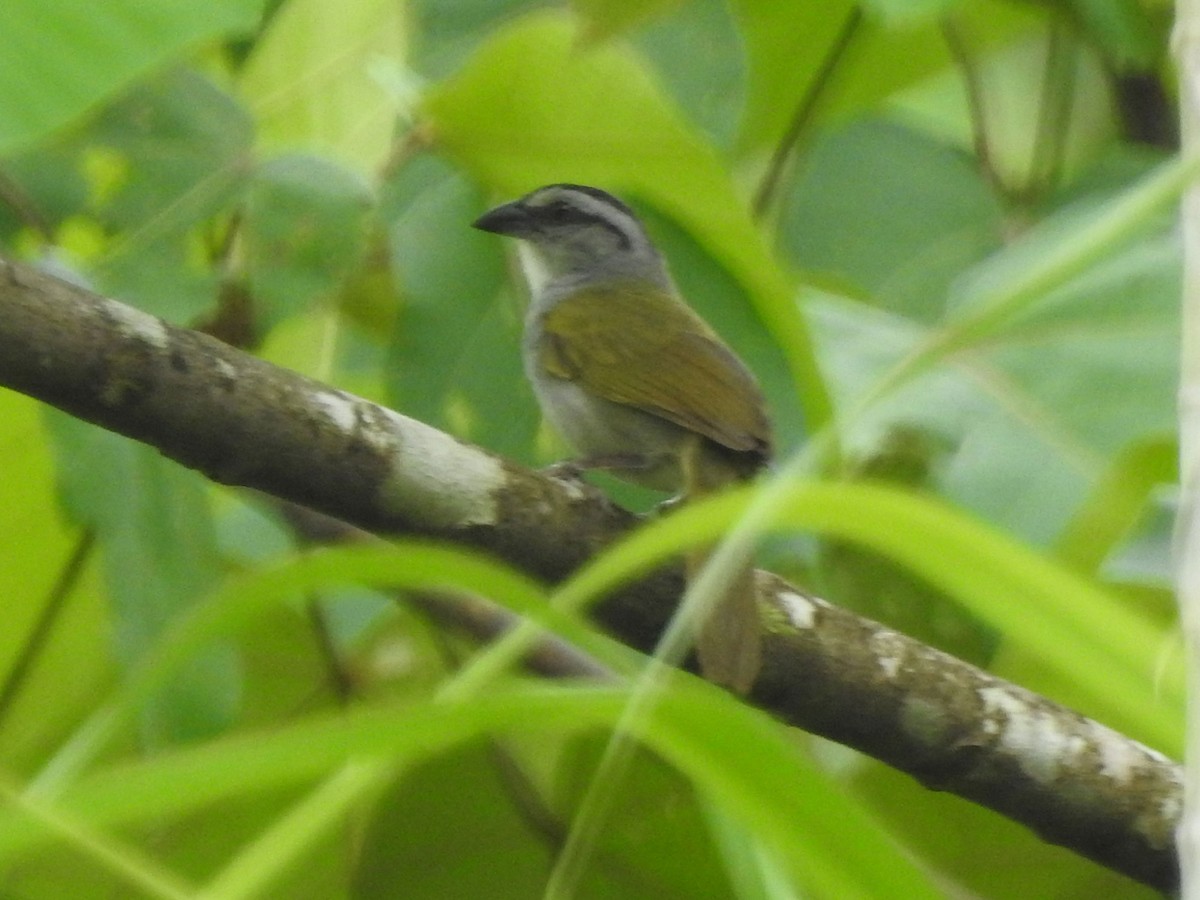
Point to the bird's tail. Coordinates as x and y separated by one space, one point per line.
729 640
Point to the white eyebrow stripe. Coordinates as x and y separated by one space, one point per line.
616 217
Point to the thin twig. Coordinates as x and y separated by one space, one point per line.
56 600
976 105
1054 112
804 112
339 678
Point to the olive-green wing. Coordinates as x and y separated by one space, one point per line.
646 349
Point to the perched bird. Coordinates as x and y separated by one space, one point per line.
634 380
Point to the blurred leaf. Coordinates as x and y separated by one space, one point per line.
1036 412
904 12
50 179
416 564
788 46
1118 501
60 59
450 31
532 108
1070 624
305 227
884 590
1146 558
711 94
1126 30
153 522
173 135
455 357
35 544
607 18
460 800
177 149
1046 109
657 842
735 755
321 80
901 235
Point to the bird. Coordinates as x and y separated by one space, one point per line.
635 381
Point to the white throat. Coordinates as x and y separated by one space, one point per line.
536 272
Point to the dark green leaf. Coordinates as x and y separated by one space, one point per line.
154 526
892 213
455 358
177 149
305 229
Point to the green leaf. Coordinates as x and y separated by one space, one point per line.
1129 32
901 12
176 150
416 565
323 80
606 18
882 589
154 526
35 544
510 854
1043 369
450 31
1118 501
658 843
737 756
1030 428
1082 631
849 64
903 234
60 59
455 356
305 227
710 92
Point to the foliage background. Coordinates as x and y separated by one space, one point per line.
962 277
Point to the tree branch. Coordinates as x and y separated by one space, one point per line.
242 421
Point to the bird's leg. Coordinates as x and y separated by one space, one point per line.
688 465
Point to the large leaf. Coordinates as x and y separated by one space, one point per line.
153 523
1042 105
509 854
305 228
35 544
455 358
164 160
1037 412
59 59
734 755
789 47
900 236
323 79
711 91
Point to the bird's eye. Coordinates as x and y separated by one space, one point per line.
559 210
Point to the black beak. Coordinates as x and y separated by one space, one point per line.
512 219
